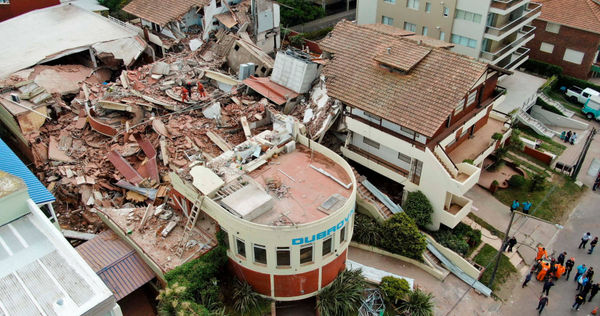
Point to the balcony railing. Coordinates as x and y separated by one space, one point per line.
504 4
532 9
526 33
518 56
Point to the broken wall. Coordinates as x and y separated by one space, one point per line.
208 22
240 53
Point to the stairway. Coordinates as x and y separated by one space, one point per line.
556 104
444 165
536 125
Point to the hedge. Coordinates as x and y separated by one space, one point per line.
542 68
461 239
548 107
418 207
567 81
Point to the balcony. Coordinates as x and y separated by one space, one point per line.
505 6
516 59
456 208
481 144
524 35
462 176
497 33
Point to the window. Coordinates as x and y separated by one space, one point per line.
427 7
387 20
547 48
327 245
460 106
343 234
467 16
306 253
464 41
372 116
410 27
552 27
225 238
412 4
260 254
218 3
573 56
283 256
371 143
404 158
407 132
4 2
241 247
446 11
442 36
472 97
425 29
390 1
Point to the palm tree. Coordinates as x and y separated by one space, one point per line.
343 296
417 303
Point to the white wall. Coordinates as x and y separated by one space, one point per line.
366 11
554 119
383 152
471 29
209 16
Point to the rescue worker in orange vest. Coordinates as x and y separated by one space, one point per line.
560 270
201 90
541 253
184 94
542 274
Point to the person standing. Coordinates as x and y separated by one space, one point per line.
201 90
593 244
188 87
543 302
578 301
590 273
561 258
581 282
527 279
548 285
568 138
585 290
526 207
573 139
584 239
514 205
581 269
594 291
569 266
541 253
512 242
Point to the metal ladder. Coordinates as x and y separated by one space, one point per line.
191 222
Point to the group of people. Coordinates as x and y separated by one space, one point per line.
515 205
568 137
549 270
186 90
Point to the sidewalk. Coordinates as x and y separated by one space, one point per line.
446 293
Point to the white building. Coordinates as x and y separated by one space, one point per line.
495 31
420 115
41 273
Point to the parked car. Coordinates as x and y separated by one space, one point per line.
579 95
591 108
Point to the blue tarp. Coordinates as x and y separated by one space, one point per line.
9 162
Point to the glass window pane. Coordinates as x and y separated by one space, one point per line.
327 245
283 256
260 254
306 253
343 234
241 247
427 6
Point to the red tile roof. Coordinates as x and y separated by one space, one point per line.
581 14
420 100
163 11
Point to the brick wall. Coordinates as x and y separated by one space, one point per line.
18 7
567 37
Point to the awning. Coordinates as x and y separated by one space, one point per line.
270 90
12 164
116 263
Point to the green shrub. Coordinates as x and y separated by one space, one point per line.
401 235
318 34
567 81
497 136
418 303
294 12
297 40
549 84
343 296
515 140
461 239
538 182
174 300
417 206
366 230
394 289
517 181
245 300
542 68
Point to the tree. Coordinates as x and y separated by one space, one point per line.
402 236
245 300
366 230
417 303
417 206
343 296
294 12
174 300
394 289
114 7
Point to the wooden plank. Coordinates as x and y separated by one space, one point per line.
246 127
115 106
219 141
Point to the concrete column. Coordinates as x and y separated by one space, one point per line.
93 57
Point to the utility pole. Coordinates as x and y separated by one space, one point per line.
499 254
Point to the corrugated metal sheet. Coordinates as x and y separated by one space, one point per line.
12 164
117 264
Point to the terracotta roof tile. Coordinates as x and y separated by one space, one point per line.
581 14
163 11
388 29
420 100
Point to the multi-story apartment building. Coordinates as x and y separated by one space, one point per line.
495 31
568 38
421 116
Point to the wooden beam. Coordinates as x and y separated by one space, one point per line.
246 127
219 141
